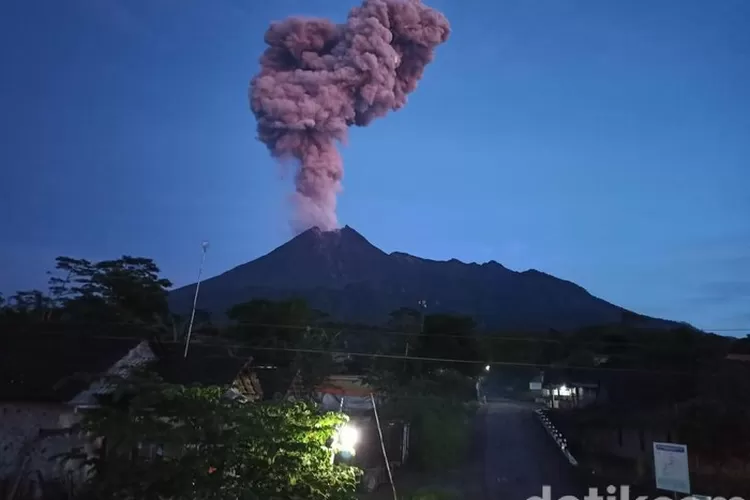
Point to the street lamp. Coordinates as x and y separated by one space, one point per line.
345 441
204 248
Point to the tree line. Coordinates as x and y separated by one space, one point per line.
165 440
129 293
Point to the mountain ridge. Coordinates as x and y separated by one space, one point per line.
345 275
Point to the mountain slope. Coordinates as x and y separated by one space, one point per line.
342 273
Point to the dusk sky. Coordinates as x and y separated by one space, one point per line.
607 143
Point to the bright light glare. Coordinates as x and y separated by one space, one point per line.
349 436
487 368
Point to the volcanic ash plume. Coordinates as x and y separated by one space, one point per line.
318 78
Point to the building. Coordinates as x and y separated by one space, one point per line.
47 381
43 387
556 388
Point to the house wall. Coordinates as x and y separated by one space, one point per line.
625 442
33 430
634 448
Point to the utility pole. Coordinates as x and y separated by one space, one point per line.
204 248
422 307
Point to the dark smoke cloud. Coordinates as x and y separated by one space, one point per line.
318 78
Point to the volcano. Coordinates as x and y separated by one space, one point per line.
342 273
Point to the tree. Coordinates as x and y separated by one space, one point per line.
171 441
203 324
408 322
27 305
292 327
440 408
125 289
314 367
446 336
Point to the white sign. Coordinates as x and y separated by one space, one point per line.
671 467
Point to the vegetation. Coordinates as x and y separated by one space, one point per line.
124 290
440 407
169 441
290 332
681 370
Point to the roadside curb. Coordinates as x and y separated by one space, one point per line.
560 440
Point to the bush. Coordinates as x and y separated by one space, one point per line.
440 408
211 447
441 436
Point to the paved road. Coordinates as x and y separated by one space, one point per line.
520 457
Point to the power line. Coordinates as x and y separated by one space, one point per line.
229 346
434 359
531 337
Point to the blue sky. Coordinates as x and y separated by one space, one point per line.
604 142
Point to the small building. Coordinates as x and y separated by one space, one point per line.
349 393
47 381
562 390
43 387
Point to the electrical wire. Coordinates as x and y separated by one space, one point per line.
411 357
532 336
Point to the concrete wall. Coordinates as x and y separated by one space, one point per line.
31 434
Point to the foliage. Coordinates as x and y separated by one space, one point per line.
446 336
212 446
314 367
440 407
406 321
270 323
292 327
26 305
124 289
178 324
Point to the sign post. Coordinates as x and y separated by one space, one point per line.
671 467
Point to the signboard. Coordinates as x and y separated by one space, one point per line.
535 386
671 467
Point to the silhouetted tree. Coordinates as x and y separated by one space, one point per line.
287 334
126 289
27 306
446 336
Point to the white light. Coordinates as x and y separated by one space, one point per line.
348 438
564 391
487 368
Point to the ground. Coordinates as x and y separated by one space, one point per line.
520 457
513 459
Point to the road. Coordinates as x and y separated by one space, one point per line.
520 457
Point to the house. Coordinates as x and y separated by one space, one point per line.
559 389
47 381
350 394
207 364
41 387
